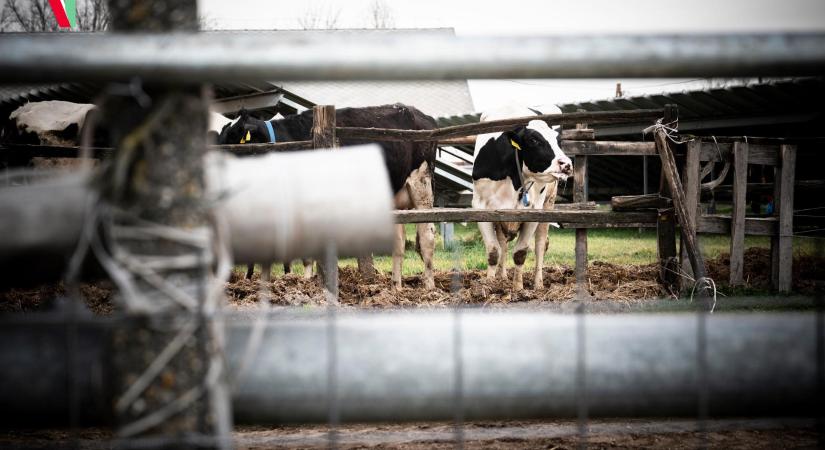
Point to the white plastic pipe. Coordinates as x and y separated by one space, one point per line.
278 207
287 206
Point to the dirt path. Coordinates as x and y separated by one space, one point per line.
737 433
663 433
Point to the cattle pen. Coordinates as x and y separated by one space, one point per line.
646 211
171 369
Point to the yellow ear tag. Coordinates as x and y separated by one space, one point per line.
246 138
516 146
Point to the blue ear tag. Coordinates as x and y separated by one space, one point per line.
525 200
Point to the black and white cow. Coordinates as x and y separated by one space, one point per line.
517 169
410 164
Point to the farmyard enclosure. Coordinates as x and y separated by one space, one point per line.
179 346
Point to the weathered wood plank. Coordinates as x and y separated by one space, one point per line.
786 218
581 206
580 179
720 224
571 148
666 247
777 205
579 134
613 148
597 117
323 136
737 232
678 194
757 153
692 191
639 202
582 283
586 219
666 225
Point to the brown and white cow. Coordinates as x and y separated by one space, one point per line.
410 165
517 169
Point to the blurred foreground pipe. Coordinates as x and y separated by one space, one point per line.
211 57
278 206
402 366
287 206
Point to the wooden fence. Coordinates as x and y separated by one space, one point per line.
635 211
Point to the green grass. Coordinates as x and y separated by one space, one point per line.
618 246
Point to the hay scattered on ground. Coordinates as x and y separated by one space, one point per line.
607 282
808 271
96 296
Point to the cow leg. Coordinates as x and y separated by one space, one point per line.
541 236
425 234
398 255
488 234
420 189
308 266
266 272
287 267
525 235
540 249
250 269
502 260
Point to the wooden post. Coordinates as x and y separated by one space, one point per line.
323 137
692 192
784 247
777 193
666 246
737 223
666 226
579 195
168 374
675 184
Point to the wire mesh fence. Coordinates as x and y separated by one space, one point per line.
460 365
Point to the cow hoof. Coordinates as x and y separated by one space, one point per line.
518 285
396 285
538 283
429 284
491 273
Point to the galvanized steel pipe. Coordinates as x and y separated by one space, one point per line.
403 366
205 57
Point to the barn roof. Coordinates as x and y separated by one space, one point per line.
780 108
723 110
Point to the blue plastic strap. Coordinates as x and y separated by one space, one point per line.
270 130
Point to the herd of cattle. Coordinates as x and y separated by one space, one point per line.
515 169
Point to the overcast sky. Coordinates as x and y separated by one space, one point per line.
520 17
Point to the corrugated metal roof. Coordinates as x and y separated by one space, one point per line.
738 106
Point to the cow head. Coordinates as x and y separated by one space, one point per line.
245 129
540 152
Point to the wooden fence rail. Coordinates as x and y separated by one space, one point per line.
591 117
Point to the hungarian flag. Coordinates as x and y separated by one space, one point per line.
65 12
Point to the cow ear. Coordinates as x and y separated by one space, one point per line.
243 114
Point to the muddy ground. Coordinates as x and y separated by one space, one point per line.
607 282
610 283
600 434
